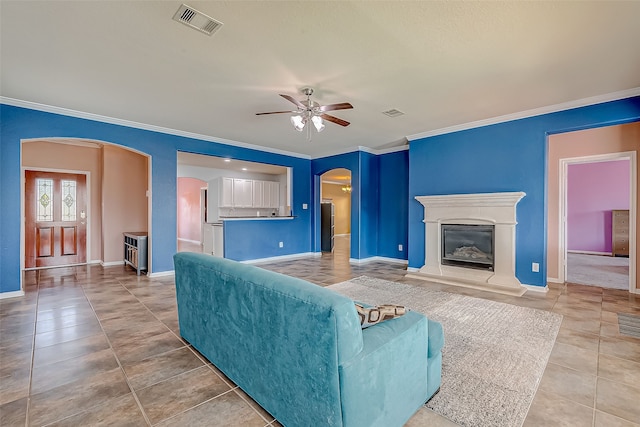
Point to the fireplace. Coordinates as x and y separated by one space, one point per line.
471 230
467 245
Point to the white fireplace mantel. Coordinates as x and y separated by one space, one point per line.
497 209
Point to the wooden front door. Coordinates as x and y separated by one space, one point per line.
55 219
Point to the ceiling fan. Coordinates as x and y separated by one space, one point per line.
310 111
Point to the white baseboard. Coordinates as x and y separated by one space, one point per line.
282 258
111 263
590 253
161 274
95 261
554 280
12 294
539 289
412 269
378 258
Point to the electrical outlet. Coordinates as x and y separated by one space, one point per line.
535 267
305 206
400 248
281 244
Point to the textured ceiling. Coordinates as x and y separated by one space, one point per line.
441 63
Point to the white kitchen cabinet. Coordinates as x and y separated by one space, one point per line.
274 194
207 239
213 242
242 193
225 197
258 194
218 240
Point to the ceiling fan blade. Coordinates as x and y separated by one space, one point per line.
275 112
295 101
333 107
335 120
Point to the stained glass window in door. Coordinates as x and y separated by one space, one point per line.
68 200
44 203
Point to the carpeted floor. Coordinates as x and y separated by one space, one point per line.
598 270
494 354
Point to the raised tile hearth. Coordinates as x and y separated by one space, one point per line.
493 209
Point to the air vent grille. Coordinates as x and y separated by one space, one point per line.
393 113
197 20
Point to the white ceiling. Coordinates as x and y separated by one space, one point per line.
441 63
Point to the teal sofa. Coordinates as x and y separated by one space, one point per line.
298 349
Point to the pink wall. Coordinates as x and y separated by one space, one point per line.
189 224
125 175
594 189
589 142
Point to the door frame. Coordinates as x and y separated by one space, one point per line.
316 219
562 226
23 220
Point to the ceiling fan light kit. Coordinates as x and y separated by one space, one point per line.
310 111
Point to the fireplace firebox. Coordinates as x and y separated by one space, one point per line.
466 245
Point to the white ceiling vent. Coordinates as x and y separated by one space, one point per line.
195 19
393 112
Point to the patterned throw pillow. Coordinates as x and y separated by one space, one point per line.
370 316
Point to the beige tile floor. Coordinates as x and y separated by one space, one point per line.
93 345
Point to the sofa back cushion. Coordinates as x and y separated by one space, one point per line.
279 338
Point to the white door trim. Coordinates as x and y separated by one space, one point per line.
562 229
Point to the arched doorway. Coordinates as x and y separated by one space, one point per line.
335 198
118 192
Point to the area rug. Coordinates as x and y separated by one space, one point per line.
494 353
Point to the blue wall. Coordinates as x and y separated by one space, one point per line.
378 201
349 161
21 123
509 156
393 213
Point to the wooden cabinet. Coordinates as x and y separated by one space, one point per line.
620 233
135 250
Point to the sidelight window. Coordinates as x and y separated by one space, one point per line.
44 202
68 200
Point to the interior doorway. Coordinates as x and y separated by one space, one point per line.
335 197
581 266
55 206
597 226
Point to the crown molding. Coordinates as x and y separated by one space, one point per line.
153 128
614 96
128 123
363 149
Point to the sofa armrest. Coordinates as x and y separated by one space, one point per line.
386 383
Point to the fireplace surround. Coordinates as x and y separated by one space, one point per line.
496 210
